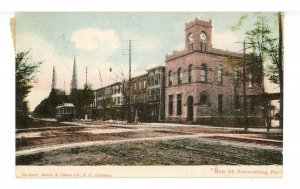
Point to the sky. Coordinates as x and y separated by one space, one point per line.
99 41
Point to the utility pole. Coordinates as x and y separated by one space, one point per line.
85 89
245 113
244 86
129 84
280 68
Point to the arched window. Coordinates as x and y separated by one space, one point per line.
204 99
250 80
180 76
191 73
203 73
220 75
191 41
202 46
170 78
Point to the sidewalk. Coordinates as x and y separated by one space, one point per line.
238 129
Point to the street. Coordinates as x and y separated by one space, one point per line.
116 143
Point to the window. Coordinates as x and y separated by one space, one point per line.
203 73
152 95
250 80
156 80
157 94
170 104
152 80
191 42
237 104
220 103
140 85
179 100
180 76
203 99
191 74
202 46
170 78
220 75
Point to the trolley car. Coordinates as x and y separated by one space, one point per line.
65 112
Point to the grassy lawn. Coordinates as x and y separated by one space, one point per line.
172 152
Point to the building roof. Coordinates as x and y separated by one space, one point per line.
156 67
65 105
113 84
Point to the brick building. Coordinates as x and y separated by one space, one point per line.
156 94
109 101
202 85
139 96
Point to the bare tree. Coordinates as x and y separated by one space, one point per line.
125 91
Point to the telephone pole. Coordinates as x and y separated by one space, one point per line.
244 86
245 113
129 84
85 89
280 67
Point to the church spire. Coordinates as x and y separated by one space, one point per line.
74 77
53 85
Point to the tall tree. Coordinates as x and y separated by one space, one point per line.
25 75
125 91
81 100
46 108
267 46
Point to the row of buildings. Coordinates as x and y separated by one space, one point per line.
199 84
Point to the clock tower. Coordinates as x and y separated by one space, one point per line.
198 35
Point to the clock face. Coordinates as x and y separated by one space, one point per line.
203 36
191 38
